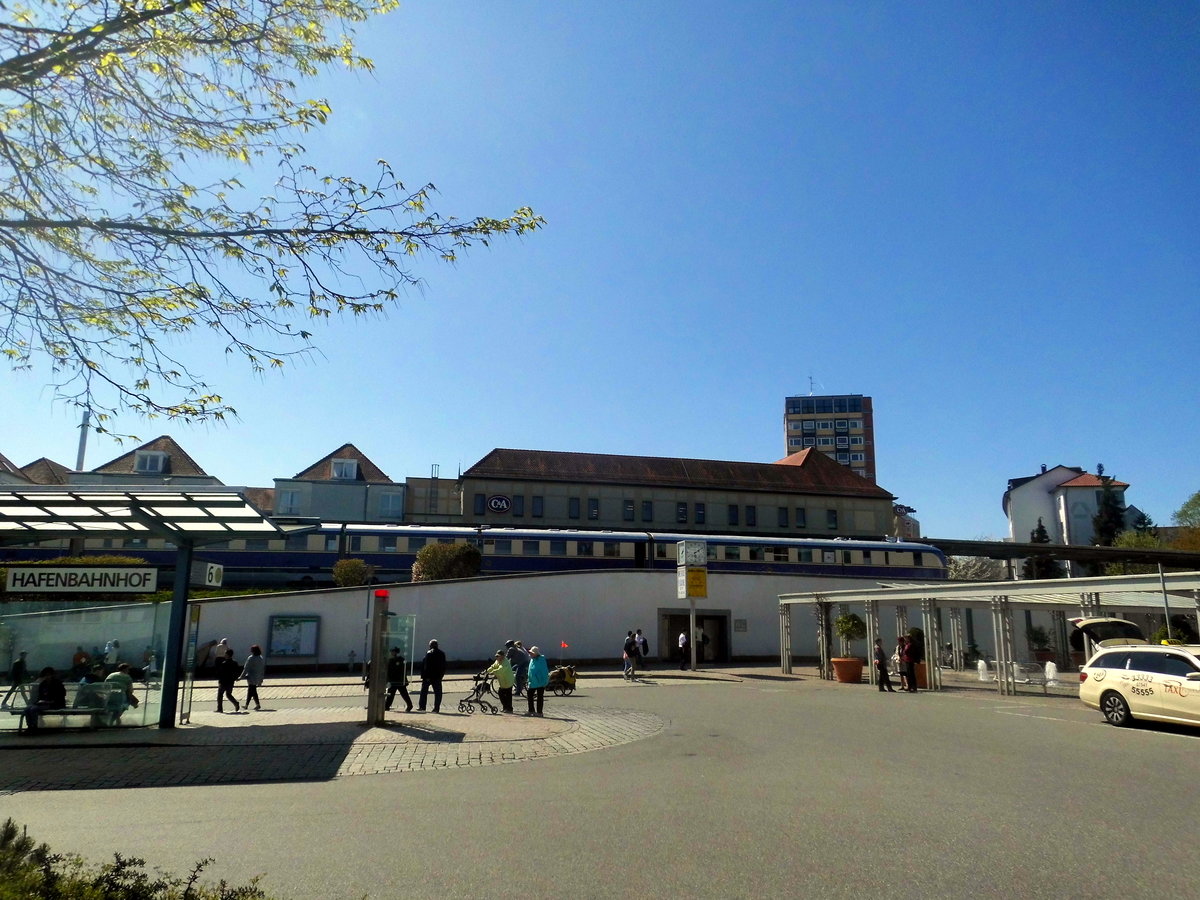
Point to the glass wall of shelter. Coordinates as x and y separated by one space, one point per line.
75 641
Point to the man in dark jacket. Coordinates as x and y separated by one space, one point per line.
433 670
227 675
398 681
49 693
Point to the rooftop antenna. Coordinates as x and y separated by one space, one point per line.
811 383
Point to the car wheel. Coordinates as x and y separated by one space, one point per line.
1115 709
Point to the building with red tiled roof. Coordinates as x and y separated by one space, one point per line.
1065 499
160 461
342 486
803 494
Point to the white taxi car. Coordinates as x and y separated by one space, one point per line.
1129 678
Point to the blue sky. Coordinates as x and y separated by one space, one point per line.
983 215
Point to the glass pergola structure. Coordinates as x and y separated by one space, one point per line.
187 518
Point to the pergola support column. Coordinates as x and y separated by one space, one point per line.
785 638
933 638
822 612
1003 633
872 612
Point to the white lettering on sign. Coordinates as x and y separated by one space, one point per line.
112 580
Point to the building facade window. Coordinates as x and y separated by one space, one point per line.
480 504
647 510
573 508
732 514
518 505
288 503
539 507
783 517
701 513
627 511
810 442
681 513
831 519
344 469
149 462
751 515
801 517
391 506
593 508
795 442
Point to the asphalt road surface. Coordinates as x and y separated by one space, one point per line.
759 788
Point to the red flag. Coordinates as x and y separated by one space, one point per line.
565 645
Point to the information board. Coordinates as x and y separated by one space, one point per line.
294 635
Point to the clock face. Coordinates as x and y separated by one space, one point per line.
692 553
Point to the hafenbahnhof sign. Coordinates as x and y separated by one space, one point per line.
112 580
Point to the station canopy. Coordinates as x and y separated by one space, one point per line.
195 515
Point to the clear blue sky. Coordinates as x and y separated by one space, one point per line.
984 215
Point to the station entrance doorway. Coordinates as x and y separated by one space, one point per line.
712 640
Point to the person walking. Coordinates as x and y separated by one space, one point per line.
433 670
397 680
502 671
18 674
643 648
898 658
539 677
629 656
253 671
881 667
683 651
227 675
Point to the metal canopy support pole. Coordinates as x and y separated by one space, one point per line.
821 611
901 621
956 638
176 634
933 637
378 680
1006 626
785 638
872 633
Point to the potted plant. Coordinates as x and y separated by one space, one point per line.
849 628
1039 642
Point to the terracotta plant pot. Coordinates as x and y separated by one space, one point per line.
847 670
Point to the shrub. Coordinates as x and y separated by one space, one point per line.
439 562
352 572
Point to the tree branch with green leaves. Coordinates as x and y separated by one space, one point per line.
110 256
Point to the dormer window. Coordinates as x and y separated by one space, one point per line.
345 469
150 462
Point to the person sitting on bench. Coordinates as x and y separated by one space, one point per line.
48 693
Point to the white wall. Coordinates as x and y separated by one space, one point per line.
471 618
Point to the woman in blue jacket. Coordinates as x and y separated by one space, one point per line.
539 677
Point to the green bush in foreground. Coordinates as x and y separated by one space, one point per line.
29 871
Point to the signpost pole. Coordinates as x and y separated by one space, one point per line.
378 681
176 633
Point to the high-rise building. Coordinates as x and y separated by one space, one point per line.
840 425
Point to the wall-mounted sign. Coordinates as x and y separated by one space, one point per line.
294 635
79 580
498 503
206 574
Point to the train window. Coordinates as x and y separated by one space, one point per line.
518 505
847 558
783 517
224 545
829 556
416 543
134 542
831 519
331 543
558 548
681 512
257 544
627 511
593 508
445 540
751 515
612 548
801 517
503 548
917 558
757 553
779 554
387 543
539 506
866 556
701 512
804 556
732 514
356 543
584 548
660 551
712 551
573 508
647 510
531 548
733 552
480 504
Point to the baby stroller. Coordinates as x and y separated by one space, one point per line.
562 681
483 688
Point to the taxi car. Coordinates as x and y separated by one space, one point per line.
1129 678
